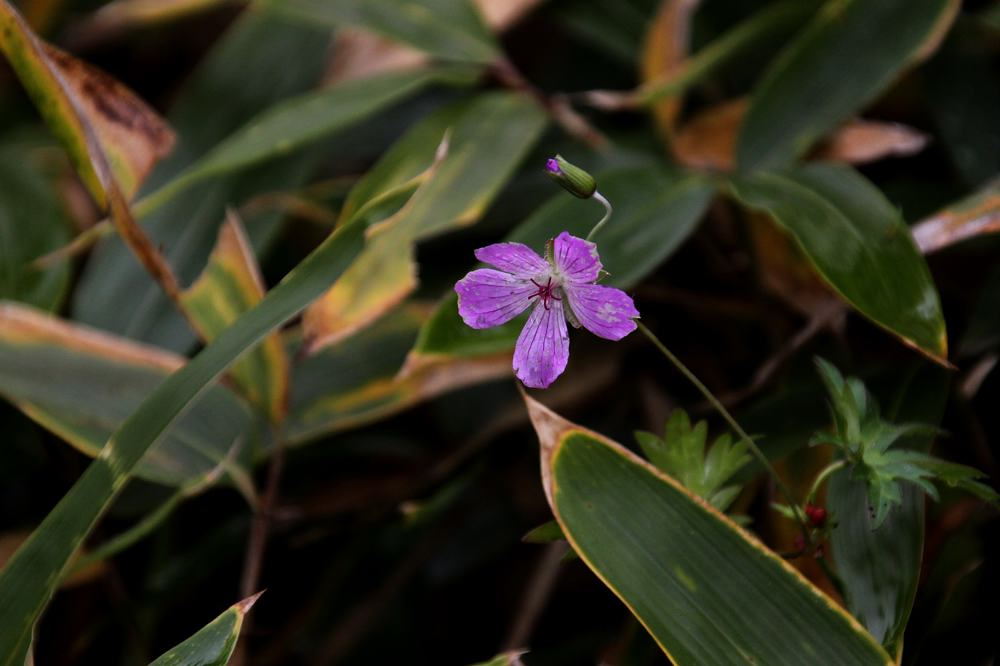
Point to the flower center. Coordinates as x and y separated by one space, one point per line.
546 292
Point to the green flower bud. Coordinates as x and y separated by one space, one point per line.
574 180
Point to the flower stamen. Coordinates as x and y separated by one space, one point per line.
546 292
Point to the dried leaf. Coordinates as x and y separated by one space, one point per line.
664 52
708 140
973 216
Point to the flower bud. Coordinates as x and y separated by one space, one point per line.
816 514
574 180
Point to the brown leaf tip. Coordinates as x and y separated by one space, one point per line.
243 607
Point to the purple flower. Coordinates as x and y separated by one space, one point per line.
560 288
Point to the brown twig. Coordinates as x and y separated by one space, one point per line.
257 543
557 106
824 317
536 595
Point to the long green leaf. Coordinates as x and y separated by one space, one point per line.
655 210
447 29
214 643
708 592
82 384
30 577
880 568
852 51
298 121
858 243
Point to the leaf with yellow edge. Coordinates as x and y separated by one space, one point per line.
81 384
112 137
358 380
489 137
705 589
229 286
71 95
213 645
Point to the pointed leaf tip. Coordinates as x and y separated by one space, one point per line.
243 607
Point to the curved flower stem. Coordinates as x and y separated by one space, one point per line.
607 214
691 377
823 476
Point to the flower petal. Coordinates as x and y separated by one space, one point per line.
488 298
542 350
576 259
515 258
604 311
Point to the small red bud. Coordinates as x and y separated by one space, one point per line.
816 515
799 542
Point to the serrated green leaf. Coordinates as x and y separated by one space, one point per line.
880 569
681 454
857 243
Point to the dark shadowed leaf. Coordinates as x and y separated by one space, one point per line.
839 63
32 222
447 29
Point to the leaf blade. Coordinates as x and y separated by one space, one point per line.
857 243
805 94
29 578
717 593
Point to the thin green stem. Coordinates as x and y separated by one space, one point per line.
691 377
823 476
607 214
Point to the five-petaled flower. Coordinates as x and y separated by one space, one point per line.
560 288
